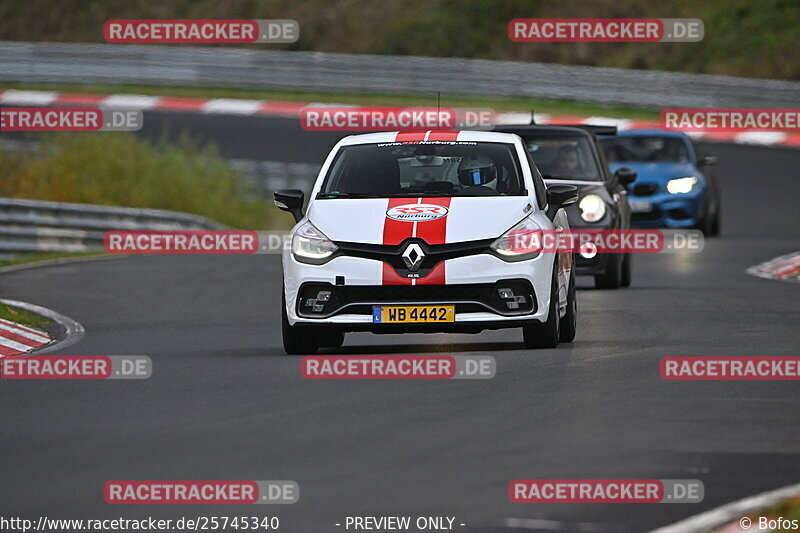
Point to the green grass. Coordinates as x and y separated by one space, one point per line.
20 316
557 107
116 168
751 38
789 510
35 258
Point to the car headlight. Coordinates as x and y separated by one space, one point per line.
310 245
523 241
592 208
681 185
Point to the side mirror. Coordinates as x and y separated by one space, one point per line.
708 161
625 176
559 196
290 200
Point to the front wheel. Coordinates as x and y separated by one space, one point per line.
331 338
627 270
612 277
545 334
716 225
569 322
297 340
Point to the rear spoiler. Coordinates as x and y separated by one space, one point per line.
593 128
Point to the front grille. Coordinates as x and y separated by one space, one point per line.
678 214
359 299
655 214
645 189
434 253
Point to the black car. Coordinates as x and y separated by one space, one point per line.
572 155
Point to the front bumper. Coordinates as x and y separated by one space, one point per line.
668 210
356 284
591 267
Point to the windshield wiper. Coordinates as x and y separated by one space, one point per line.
551 177
421 194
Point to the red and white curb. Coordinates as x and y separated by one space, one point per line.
16 339
733 516
222 106
784 268
276 108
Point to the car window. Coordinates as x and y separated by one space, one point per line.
538 183
426 168
564 157
645 149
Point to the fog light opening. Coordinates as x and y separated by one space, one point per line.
588 250
506 294
323 296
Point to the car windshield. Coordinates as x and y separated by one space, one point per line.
564 157
426 168
648 149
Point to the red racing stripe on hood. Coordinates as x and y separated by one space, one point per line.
433 231
395 232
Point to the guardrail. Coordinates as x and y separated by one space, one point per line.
315 71
37 226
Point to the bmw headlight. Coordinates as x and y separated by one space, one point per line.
592 208
681 185
311 246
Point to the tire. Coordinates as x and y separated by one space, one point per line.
612 278
569 322
627 270
706 224
545 334
331 338
297 340
716 224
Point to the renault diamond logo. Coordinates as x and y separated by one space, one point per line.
413 256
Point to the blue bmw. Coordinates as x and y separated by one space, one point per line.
674 188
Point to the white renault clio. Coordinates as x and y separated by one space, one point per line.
416 232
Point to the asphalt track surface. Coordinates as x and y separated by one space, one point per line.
225 403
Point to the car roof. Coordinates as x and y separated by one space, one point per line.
527 130
652 133
411 136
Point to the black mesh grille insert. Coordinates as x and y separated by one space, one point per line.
645 189
468 297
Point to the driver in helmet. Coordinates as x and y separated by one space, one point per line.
478 171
